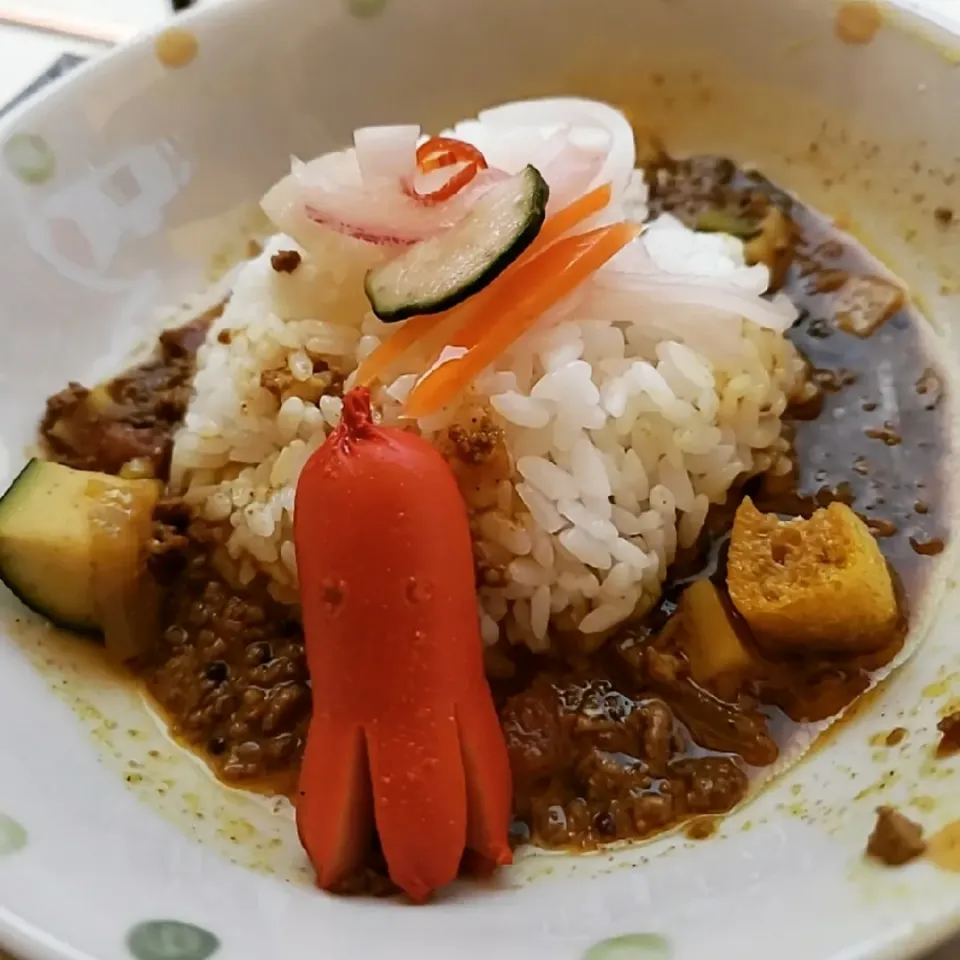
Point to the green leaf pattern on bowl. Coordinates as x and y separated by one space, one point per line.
13 837
366 9
29 158
171 940
631 946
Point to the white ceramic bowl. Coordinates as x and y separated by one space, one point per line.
117 187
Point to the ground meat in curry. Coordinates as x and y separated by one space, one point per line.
126 426
591 764
895 840
949 728
229 669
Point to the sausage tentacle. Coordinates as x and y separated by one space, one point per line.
334 812
420 800
487 770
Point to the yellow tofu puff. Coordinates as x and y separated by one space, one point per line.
817 584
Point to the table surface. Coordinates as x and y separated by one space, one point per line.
25 54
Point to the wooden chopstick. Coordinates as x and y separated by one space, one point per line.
99 32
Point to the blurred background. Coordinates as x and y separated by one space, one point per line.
34 33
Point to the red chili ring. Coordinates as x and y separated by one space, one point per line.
439 152
450 189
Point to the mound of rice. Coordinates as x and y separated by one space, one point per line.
614 433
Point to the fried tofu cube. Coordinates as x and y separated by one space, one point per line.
811 585
713 639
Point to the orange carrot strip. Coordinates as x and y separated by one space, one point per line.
474 315
541 284
393 349
563 221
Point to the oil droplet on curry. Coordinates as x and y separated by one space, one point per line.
943 848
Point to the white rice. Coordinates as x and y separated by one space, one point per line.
621 430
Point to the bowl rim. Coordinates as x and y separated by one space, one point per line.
25 939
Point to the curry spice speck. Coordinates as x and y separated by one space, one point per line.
285 261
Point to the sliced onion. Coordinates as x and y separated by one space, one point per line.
634 259
634 272
575 168
373 192
513 147
283 205
573 112
378 216
386 154
389 216
570 159
328 193
682 290
375 233
300 213
332 171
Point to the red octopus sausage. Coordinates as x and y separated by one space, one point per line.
404 733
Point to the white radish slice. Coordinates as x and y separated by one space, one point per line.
387 154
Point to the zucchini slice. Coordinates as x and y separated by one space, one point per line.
59 534
436 274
